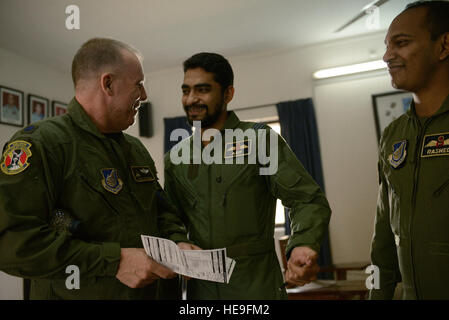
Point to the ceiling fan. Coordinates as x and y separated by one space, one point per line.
365 11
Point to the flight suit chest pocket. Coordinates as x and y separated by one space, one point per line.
187 197
143 184
99 190
443 189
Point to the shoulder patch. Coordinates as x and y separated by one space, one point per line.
15 158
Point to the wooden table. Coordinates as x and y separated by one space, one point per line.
334 290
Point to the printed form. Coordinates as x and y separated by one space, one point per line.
212 265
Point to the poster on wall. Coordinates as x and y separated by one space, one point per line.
11 106
38 108
388 107
59 108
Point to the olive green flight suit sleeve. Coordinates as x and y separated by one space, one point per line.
29 246
171 223
309 208
383 247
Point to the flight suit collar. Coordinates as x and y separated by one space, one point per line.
80 117
444 108
232 121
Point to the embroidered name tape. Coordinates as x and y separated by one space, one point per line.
435 145
111 182
15 158
237 149
399 154
142 173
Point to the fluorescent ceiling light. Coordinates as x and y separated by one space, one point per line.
351 69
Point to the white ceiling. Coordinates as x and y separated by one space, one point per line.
169 31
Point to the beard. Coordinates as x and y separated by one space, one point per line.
209 119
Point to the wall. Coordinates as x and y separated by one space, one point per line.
29 77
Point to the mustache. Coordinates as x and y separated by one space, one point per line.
196 105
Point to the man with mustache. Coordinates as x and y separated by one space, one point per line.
85 191
411 239
233 205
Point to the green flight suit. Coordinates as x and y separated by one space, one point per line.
411 239
107 183
233 206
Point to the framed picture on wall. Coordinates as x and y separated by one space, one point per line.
11 106
38 108
59 108
388 107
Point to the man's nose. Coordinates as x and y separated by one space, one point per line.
388 55
191 98
143 94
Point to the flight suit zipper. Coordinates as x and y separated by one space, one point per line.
421 132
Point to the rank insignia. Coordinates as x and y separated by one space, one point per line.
15 158
399 154
237 149
142 173
435 145
111 181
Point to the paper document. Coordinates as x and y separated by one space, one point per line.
212 265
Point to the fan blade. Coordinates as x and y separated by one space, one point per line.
363 13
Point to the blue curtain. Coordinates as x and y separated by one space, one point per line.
299 129
172 124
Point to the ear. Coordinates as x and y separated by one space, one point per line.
228 94
106 83
444 49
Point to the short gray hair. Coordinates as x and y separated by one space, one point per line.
98 53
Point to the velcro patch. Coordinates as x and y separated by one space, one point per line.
111 181
238 149
399 154
142 173
435 145
15 158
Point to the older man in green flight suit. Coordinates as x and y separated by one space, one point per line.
76 193
411 240
233 205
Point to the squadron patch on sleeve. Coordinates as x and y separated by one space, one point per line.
238 149
111 182
142 173
399 154
435 145
15 158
